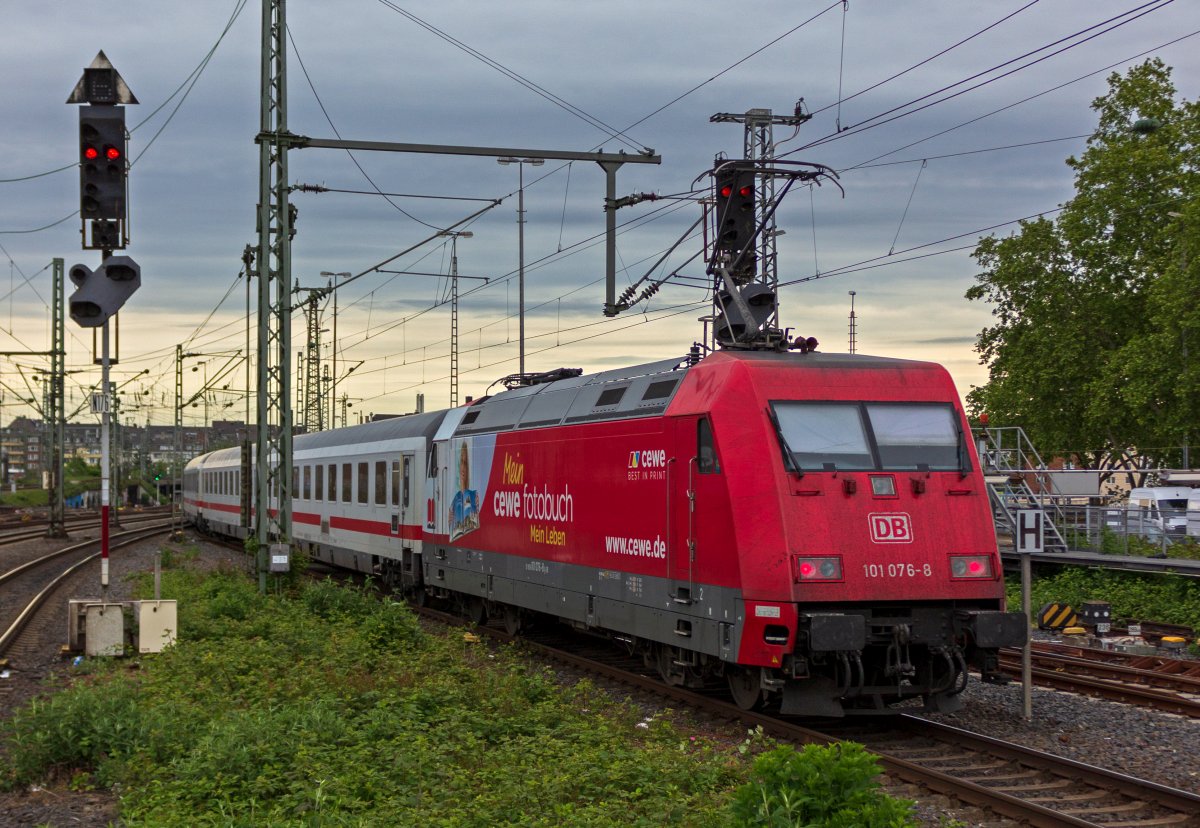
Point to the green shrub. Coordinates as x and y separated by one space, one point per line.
822 786
1165 598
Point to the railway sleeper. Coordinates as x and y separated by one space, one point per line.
1126 808
1175 819
1089 796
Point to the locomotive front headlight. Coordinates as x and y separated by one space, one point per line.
828 568
970 566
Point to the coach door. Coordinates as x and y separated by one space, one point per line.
697 489
403 511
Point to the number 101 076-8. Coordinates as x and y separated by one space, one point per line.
897 570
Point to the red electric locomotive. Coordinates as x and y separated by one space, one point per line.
809 525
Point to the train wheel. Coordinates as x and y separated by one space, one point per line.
745 685
512 619
475 611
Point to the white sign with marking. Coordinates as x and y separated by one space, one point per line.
1030 531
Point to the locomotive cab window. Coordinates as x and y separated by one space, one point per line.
850 436
706 450
912 436
824 436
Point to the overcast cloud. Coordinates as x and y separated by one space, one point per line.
380 76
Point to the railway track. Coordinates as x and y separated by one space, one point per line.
1168 684
1006 779
32 577
18 533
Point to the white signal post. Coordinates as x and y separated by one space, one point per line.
104 462
1030 533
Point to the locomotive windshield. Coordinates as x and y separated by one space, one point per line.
827 436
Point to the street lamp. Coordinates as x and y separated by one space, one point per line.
521 162
345 274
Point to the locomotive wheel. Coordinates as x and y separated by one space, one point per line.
512 619
745 685
475 611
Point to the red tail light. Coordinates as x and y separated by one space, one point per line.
970 566
827 568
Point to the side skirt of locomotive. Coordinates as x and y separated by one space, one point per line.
841 662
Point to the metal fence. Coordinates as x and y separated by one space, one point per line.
1125 530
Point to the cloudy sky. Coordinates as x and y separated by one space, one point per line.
955 119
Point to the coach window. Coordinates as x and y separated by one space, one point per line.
308 482
295 482
332 482
380 482
364 482
706 450
346 477
319 483
396 481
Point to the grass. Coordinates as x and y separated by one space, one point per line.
324 705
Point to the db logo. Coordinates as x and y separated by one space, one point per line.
890 527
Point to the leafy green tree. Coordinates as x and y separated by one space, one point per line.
1089 351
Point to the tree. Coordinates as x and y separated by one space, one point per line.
1094 310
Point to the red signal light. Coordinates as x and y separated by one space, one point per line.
807 570
975 567
726 191
91 153
112 153
746 190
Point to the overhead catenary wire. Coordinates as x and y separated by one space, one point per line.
612 132
1027 99
312 87
908 204
903 110
917 65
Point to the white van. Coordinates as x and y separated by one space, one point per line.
1153 511
1193 514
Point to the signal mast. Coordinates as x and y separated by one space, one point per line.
742 258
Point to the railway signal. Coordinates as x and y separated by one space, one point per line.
103 144
102 166
102 292
737 220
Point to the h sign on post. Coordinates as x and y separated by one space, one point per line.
1030 530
